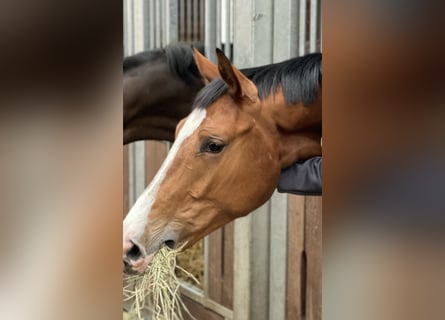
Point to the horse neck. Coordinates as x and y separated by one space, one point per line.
296 128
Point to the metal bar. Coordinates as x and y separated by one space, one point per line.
210 30
181 20
294 10
132 46
320 24
137 170
202 19
131 169
126 27
137 149
130 28
278 257
138 31
172 21
285 37
163 22
259 308
254 25
195 21
302 28
243 37
218 24
146 22
228 23
313 26
206 265
263 30
152 23
189 20
243 56
242 260
158 23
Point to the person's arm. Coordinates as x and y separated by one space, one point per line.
302 178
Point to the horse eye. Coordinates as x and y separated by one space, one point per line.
212 147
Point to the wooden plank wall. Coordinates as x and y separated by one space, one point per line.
304 274
227 290
313 248
295 245
219 285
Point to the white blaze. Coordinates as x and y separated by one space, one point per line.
136 219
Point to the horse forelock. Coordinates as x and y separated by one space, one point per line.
210 93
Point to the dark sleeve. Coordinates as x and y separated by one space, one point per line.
303 178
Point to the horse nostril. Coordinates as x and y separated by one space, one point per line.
134 253
170 243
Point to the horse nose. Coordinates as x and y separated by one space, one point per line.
133 254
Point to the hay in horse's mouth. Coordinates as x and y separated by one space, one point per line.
157 289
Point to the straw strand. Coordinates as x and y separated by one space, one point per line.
158 288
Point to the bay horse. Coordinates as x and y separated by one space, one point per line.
158 91
228 153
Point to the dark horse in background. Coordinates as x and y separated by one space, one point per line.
159 88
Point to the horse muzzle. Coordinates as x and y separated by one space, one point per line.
135 258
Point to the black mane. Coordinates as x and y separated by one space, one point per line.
300 79
179 58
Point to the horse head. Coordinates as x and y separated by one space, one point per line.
225 162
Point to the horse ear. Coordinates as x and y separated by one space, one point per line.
207 68
239 85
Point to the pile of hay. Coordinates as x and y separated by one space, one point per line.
157 289
192 260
